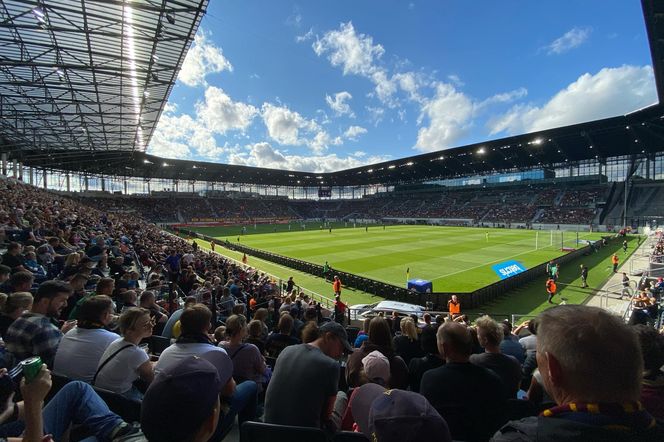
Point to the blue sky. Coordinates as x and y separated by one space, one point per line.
327 85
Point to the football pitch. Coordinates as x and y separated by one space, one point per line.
456 259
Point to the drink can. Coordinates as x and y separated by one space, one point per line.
31 367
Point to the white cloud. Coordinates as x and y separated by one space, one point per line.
355 53
411 83
376 114
505 97
610 92
384 87
295 19
339 105
284 125
449 114
306 37
264 155
221 114
203 58
288 127
181 137
570 40
354 131
321 140
456 80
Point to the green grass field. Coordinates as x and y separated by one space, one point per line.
453 258
526 300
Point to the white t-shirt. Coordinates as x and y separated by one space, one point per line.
119 373
79 352
529 343
178 352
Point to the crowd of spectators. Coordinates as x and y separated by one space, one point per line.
567 215
587 197
84 289
531 204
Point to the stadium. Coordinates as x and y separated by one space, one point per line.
450 244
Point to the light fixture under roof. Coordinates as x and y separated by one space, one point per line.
39 15
410 163
391 166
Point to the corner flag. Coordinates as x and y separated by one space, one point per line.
407 273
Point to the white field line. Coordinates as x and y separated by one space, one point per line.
492 262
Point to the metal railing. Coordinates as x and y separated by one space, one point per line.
628 311
520 318
314 296
610 290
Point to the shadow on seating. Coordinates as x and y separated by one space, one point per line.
158 344
262 432
349 436
518 409
129 410
269 360
352 333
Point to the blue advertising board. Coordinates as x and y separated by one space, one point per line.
508 268
420 285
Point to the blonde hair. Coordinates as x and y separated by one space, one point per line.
72 259
408 328
488 331
235 324
130 317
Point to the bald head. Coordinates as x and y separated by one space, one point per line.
454 342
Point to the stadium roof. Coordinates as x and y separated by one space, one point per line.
641 132
89 75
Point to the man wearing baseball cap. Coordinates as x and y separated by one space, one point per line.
304 387
182 403
397 416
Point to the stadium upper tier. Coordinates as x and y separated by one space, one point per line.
527 204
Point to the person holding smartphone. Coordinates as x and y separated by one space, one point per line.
76 403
